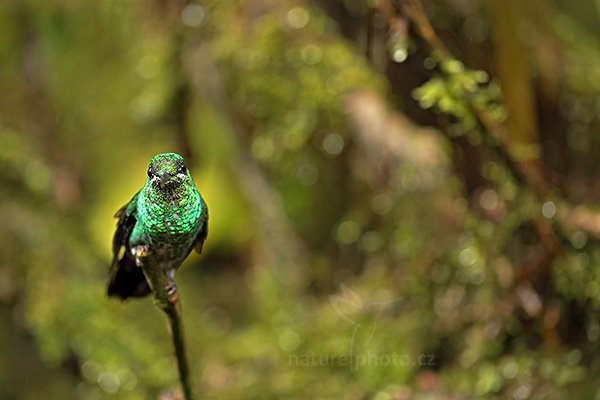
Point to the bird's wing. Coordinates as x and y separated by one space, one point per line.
126 279
126 215
203 233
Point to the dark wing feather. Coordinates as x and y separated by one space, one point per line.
126 278
126 215
203 233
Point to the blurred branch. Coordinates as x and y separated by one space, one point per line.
549 56
496 133
181 98
414 11
511 60
388 136
526 172
42 117
281 244
181 104
166 298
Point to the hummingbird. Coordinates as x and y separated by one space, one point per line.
168 217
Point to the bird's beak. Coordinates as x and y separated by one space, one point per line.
165 177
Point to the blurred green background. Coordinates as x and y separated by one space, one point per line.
394 214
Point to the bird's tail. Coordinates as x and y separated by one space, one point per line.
127 280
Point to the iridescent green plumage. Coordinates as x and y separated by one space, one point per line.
168 216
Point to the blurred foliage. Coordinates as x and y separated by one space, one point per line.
414 266
458 93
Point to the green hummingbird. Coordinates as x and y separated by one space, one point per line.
168 217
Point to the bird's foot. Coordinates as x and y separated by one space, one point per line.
172 293
139 252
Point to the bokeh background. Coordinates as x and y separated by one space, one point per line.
402 196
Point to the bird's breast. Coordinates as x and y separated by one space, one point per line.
174 221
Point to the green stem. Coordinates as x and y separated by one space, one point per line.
169 304
175 322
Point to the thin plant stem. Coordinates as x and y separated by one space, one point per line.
166 298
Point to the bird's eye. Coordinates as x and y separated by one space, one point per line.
182 170
149 172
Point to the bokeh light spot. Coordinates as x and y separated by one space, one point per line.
263 148
400 54
289 340
460 205
311 54
549 209
193 15
510 370
109 382
307 174
348 232
381 204
468 256
579 239
488 199
333 144
298 17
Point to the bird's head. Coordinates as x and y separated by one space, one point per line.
167 171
